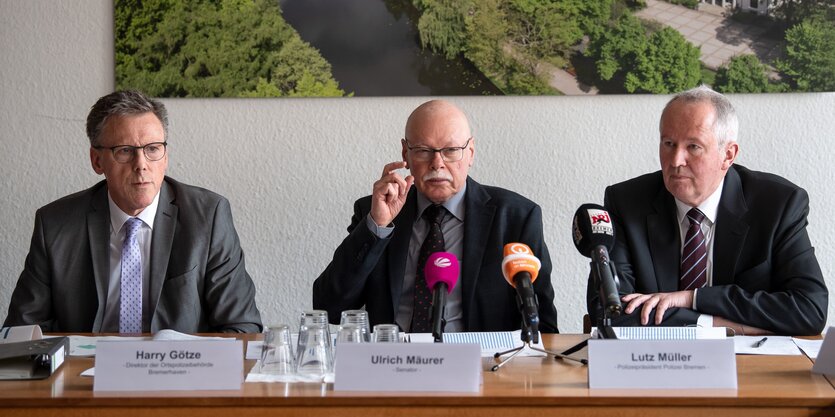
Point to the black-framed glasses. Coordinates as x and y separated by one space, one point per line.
449 154
123 154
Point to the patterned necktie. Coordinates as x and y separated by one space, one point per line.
694 255
130 310
434 242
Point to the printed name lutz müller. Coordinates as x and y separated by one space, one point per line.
661 357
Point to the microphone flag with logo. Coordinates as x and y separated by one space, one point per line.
594 236
442 267
592 227
441 271
520 268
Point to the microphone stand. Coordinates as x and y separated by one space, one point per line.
529 336
604 321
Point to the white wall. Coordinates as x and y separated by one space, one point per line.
293 167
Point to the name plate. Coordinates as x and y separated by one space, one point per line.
825 361
407 367
660 364
169 365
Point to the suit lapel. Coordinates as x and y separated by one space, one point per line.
477 226
731 229
98 232
664 241
165 224
399 247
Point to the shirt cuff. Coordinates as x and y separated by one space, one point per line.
381 232
704 320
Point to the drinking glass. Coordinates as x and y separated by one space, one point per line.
386 333
350 333
308 318
276 352
359 318
315 353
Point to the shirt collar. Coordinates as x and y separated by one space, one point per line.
119 217
454 205
709 207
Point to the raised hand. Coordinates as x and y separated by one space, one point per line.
389 193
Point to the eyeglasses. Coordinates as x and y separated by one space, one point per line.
425 153
123 154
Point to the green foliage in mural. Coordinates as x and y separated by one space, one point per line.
809 64
215 48
508 40
743 74
662 62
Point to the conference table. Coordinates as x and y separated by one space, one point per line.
526 386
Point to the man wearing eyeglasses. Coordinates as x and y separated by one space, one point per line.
379 265
138 252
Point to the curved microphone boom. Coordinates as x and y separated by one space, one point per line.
441 273
520 268
594 237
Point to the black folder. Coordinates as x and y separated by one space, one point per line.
33 359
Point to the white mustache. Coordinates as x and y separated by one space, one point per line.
437 175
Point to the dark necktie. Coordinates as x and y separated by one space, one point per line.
434 242
694 255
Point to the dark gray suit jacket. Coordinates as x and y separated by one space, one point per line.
368 271
765 273
198 279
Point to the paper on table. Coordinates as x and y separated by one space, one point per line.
490 342
168 334
86 345
253 349
666 333
774 345
809 347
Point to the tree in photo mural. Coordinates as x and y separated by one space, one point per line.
744 74
809 64
215 48
662 62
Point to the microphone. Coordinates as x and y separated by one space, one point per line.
594 237
520 268
441 273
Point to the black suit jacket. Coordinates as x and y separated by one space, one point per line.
368 271
765 273
198 279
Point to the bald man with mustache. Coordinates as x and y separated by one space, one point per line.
378 265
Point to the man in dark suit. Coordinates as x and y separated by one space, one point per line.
137 252
707 242
377 264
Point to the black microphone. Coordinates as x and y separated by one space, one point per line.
594 237
520 268
441 273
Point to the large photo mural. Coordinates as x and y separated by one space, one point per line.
342 48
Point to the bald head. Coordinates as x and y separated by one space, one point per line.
439 115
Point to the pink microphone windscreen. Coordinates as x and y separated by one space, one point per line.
442 267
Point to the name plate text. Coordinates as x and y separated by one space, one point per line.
168 365
407 367
661 364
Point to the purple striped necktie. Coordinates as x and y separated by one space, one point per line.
130 309
693 272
